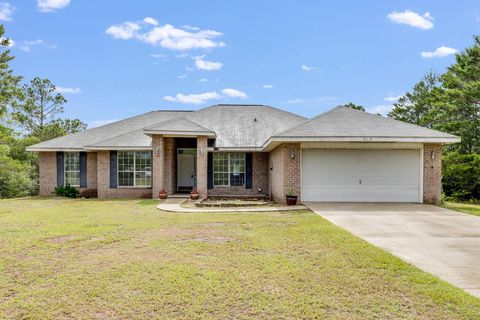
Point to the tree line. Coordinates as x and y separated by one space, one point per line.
30 112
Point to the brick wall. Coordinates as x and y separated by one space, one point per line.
432 173
202 161
259 179
103 181
47 162
158 154
285 173
170 184
91 170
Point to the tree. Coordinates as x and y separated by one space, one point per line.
355 106
15 178
38 105
458 99
9 90
38 109
416 106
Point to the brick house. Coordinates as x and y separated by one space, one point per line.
232 150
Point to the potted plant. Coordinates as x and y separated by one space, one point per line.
291 198
194 195
162 194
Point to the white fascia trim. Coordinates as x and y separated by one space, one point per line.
180 133
34 149
240 149
363 139
93 148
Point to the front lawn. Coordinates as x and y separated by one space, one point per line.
463 207
70 259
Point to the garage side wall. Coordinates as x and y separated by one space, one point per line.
285 171
432 173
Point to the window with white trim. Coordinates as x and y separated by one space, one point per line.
71 166
229 169
134 168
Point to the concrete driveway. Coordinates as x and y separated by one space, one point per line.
442 242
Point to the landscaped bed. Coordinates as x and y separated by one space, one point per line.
232 203
94 259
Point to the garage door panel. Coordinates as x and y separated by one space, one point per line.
360 175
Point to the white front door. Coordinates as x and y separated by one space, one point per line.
361 175
186 165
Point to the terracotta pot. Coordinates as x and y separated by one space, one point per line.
194 195
291 200
163 195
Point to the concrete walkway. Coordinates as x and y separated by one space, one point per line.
173 205
442 242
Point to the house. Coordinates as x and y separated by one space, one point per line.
341 155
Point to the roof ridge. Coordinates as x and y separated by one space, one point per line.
174 120
308 120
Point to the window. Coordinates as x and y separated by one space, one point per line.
134 169
72 168
228 169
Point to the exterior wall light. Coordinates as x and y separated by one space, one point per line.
432 155
292 154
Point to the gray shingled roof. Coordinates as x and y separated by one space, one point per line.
239 126
109 131
347 122
244 126
178 125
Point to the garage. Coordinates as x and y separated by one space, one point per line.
330 175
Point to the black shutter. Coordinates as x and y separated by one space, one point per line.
210 170
113 169
248 170
60 169
83 169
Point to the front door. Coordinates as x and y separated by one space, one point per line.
186 168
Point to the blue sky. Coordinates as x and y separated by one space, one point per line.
114 59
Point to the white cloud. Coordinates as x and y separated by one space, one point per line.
98 123
51 5
207 65
234 93
6 11
193 98
203 80
182 76
27 45
150 20
191 28
295 101
67 90
123 31
392 98
166 36
307 68
381 109
267 86
439 52
412 18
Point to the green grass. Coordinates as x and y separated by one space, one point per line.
463 207
71 259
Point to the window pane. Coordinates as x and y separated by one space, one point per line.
125 179
237 169
72 168
143 179
126 161
220 169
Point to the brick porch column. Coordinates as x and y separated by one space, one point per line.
157 165
202 182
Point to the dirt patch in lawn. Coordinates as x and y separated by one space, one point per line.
62 239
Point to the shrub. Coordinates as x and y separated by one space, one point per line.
14 176
461 176
66 191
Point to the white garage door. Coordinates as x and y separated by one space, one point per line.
360 175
